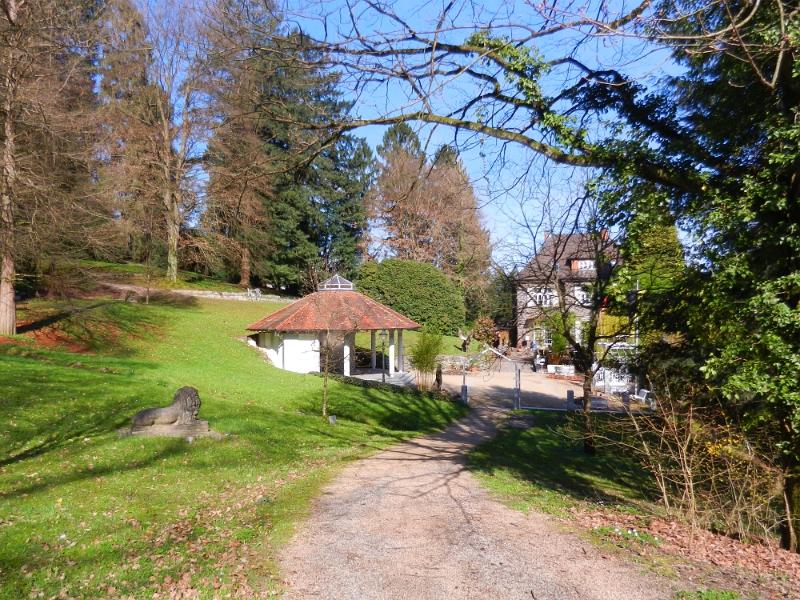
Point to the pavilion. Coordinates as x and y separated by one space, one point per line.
320 329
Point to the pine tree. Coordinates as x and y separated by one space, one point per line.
315 212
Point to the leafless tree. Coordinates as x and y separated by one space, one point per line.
237 167
428 212
46 106
156 110
518 72
564 289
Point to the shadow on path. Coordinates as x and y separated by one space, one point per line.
411 522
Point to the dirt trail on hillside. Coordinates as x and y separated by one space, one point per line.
412 523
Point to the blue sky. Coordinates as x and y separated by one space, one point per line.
517 188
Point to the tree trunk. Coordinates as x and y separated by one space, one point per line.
8 309
588 425
791 500
173 235
244 280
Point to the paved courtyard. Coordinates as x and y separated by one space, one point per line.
495 387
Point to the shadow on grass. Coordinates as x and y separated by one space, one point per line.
388 410
106 326
175 447
546 457
119 537
49 320
161 298
47 421
55 408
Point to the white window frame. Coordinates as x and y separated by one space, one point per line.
585 265
581 295
542 296
543 337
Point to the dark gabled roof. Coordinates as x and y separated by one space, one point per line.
560 253
334 310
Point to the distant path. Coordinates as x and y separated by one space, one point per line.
412 523
142 290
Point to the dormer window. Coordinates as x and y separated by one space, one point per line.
585 265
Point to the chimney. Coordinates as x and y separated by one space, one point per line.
604 234
546 235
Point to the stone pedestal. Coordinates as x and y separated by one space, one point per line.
196 429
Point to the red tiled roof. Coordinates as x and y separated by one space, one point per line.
334 311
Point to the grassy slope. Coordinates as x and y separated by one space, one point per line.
90 514
541 469
134 273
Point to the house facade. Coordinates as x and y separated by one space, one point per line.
558 284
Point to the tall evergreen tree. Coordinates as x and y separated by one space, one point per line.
315 215
342 176
400 137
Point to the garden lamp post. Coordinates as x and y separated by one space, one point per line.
383 335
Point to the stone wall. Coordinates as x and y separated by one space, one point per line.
454 362
231 296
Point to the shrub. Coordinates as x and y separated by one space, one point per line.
558 325
417 290
423 356
483 330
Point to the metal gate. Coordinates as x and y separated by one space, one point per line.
475 359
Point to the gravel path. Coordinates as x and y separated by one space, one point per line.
411 522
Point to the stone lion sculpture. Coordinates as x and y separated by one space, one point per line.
182 411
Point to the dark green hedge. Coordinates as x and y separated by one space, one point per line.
417 290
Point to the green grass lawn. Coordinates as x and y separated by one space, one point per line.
86 514
542 469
